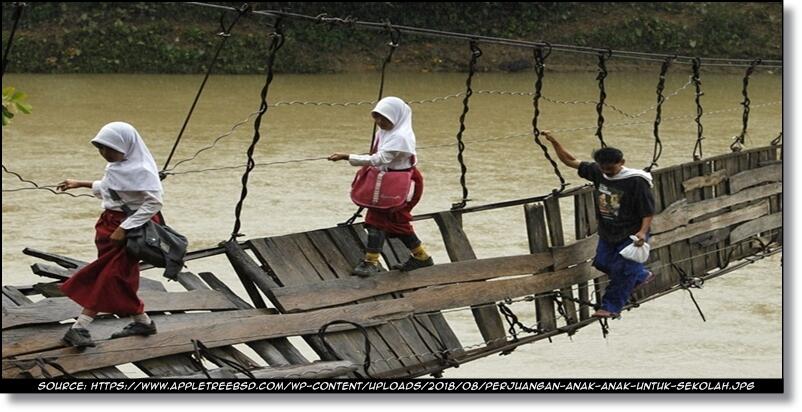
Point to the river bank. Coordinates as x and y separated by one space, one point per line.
176 38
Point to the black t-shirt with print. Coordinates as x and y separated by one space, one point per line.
621 205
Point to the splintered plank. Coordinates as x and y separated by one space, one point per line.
538 242
753 177
681 212
460 295
554 222
68 266
704 181
346 290
253 277
759 225
58 309
110 372
276 352
131 349
459 248
717 222
37 338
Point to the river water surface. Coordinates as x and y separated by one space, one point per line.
664 338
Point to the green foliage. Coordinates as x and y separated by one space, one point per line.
13 102
154 37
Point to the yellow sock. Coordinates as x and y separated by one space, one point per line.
372 258
420 253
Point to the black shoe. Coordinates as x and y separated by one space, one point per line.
365 269
412 263
136 328
78 337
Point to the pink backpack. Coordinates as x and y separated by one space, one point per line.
376 189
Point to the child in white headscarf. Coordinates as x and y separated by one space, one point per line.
110 283
393 149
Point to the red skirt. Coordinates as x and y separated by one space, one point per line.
396 222
110 283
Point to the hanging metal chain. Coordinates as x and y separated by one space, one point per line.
18 6
603 57
225 33
539 72
476 52
697 149
777 140
740 140
661 84
277 40
395 37
321 334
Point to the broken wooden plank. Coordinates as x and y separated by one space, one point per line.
37 338
759 225
753 177
20 300
59 309
276 352
465 294
131 349
63 261
58 273
538 242
700 182
459 248
557 237
340 291
695 229
681 212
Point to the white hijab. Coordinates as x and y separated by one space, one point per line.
401 137
137 172
626 173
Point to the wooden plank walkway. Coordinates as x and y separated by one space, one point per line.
711 213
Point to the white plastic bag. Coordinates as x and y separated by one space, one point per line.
638 254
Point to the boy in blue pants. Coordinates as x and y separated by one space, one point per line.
624 207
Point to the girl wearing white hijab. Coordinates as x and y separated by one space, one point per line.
110 283
393 149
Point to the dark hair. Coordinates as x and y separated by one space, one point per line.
608 155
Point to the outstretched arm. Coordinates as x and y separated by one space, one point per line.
565 156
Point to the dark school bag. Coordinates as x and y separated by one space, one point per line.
157 244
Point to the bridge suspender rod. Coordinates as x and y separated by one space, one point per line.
740 140
603 57
697 149
661 83
277 40
18 6
539 72
476 52
225 33
395 37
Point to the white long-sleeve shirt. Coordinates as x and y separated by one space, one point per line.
384 160
145 203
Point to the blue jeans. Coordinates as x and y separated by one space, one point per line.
623 273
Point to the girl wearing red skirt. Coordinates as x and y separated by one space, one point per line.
394 150
110 283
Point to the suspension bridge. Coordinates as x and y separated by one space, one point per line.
715 214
